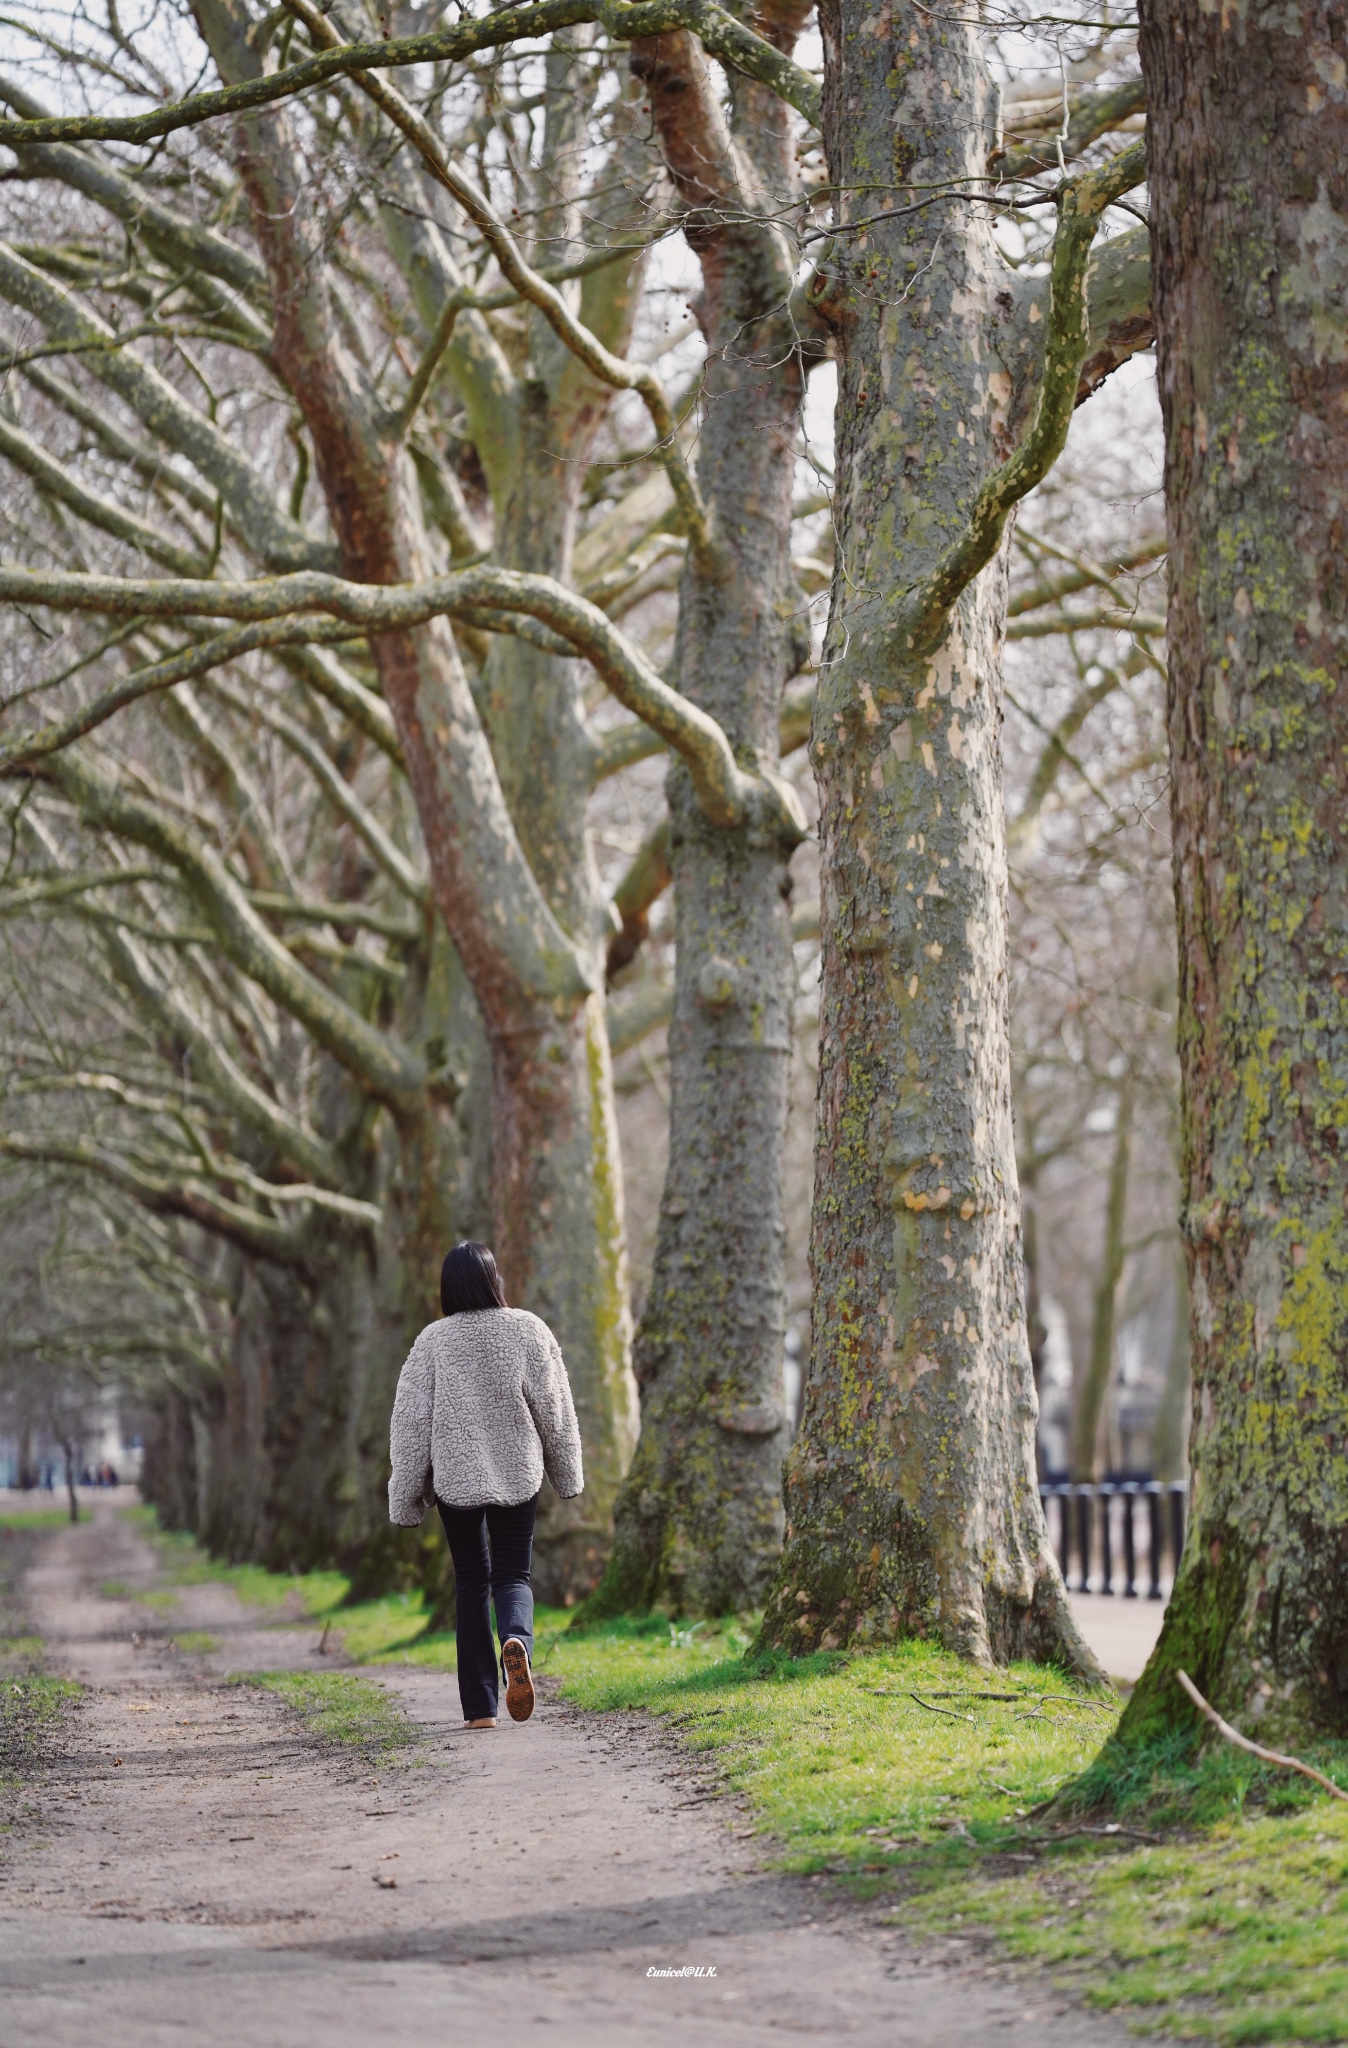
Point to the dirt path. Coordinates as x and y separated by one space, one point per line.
202 1870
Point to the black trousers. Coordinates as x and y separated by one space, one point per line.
492 1549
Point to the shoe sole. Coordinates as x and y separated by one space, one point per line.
519 1699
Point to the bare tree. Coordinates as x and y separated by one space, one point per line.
912 1498
424 416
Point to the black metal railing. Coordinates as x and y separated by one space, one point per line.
1090 1517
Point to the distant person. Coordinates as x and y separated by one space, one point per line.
483 1411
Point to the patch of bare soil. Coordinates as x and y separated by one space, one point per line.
194 1864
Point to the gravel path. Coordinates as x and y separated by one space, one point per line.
198 1869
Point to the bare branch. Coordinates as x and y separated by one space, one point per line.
310 663
161 675
1055 754
723 35
922 615
608 368
37 892
1265 1756
634 1015
58 482
622 746
1083 571
148 462
377 1062
1095 114
724 789
390 858
166 233
162 1194
155 402
1118 618
646 880
166 1009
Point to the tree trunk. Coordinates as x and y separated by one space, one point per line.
1170 1433
69 1449
912 1499
1094 1387
1248 141
699 1524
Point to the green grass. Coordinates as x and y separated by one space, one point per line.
1232 1928
185 1563
844 1766
196 1642
350 1712
29 1710
159 1598
35 1518
1238 1934
368 1631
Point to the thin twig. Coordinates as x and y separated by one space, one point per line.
942 1710
1266 1756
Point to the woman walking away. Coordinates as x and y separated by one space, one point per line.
483 1410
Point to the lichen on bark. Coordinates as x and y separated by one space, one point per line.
1249 195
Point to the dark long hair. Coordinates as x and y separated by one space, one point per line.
469 1280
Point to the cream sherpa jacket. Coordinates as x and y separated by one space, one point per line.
483 1409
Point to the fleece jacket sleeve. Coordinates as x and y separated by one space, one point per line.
548 1393
411 1489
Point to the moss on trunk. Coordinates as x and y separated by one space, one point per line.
1248 125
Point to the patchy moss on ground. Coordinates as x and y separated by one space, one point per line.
32 1702
29 1711
341 1709
1238 1934
36 1518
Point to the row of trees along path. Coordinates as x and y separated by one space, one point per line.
911 1497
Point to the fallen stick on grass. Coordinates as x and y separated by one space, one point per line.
941 1710
1266 1756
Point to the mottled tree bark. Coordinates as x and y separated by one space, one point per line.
911 1494
699 1521
1248 156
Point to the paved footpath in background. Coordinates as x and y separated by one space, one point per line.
199 1871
